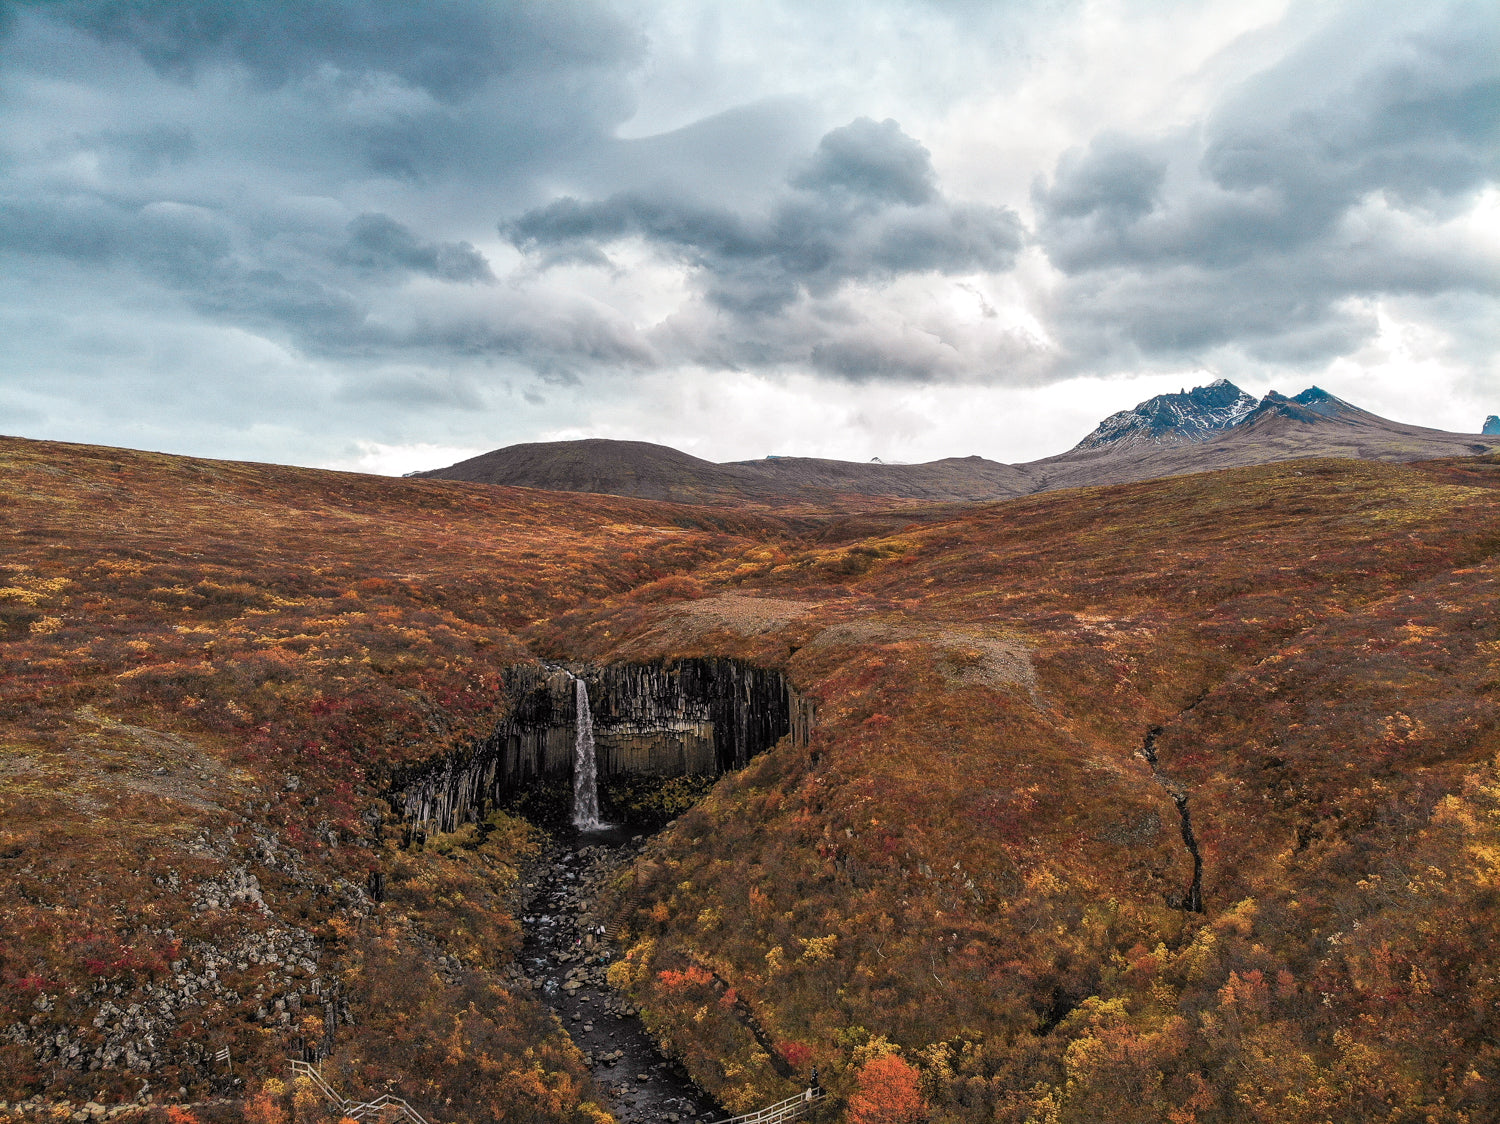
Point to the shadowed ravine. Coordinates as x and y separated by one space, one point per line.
681 718
564 959
1192 901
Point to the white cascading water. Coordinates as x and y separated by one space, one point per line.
585 779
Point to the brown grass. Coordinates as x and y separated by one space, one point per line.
972 862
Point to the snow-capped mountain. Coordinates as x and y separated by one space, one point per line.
1188 418
1491 424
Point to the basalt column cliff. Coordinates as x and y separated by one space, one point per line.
693 716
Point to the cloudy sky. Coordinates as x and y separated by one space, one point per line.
385 234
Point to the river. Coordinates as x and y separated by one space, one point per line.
564 960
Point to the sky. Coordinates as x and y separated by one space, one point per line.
385 235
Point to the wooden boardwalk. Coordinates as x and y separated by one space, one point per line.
357 1110
793 1108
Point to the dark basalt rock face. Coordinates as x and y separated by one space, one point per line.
679 718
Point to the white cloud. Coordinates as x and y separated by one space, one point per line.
176 267
398 460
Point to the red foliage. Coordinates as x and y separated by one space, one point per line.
796 1054
694 976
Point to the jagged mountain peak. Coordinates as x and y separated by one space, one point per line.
1189 417
1319 401
1491 424
1312 406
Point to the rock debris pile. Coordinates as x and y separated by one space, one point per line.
262 972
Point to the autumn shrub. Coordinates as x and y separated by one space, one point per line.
264 1108
650 801
982 868
888 1091
678 587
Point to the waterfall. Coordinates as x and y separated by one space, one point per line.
585 773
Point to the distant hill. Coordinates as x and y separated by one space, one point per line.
647 471
618 468
1209 427
1491 424
953 478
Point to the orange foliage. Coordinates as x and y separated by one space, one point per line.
693 976
889 1091
262 1108
972 854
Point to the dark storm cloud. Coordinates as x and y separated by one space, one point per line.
1253 225
380 244
877 161
343 90
309 299
865 207
449 48
211 153
177 241
148 150
1114 182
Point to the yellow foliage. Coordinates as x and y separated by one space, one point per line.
815 950
1201 956
876 1046
1239 919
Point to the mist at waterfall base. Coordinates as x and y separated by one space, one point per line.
585 769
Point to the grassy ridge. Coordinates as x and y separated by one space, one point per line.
208 669
984 873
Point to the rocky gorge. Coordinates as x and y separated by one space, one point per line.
565 962
689 717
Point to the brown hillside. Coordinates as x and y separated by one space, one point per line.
979 863
619 468
207 671
638 468
1280 429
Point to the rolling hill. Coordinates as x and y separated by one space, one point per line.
638 468
1174 799
1218 426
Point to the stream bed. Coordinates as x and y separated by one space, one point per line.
564 959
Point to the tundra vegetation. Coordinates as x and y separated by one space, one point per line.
968 897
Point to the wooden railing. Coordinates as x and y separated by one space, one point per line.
782 1112
357 1110
793 1108
619 922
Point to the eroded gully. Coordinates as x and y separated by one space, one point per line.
563 962
1192 901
